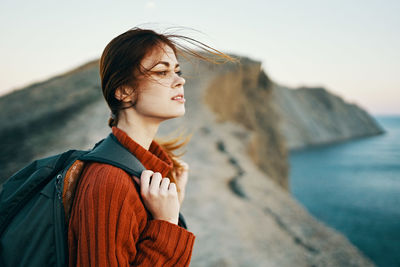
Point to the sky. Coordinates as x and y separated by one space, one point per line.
349 47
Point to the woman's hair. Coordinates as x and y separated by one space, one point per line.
120 67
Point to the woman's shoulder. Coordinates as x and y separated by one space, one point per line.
110 182
108 195
103 174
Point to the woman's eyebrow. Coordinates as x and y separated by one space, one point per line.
166 64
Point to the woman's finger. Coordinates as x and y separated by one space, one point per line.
172 188
164 184
145 181
155 183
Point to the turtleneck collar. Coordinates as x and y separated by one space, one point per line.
155 159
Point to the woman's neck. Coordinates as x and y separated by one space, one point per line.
141 130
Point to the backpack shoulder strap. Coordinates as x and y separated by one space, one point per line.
112 152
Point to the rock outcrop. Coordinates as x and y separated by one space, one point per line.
237 202
244 94
314 116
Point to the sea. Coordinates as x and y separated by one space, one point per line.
354 187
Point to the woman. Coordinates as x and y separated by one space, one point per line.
115 222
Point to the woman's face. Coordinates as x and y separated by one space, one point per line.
156 91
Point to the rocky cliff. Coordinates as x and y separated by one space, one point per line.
314 116
237 202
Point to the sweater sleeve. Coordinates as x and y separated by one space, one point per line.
112 230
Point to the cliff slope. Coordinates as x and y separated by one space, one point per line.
314 116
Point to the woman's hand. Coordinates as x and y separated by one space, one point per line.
159 196
181 178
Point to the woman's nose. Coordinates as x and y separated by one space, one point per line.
180 81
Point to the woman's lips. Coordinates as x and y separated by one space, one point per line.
179 98
182 100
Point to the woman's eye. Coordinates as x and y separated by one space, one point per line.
162 73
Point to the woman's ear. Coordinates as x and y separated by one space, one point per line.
124 93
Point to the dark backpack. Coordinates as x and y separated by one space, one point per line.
33 229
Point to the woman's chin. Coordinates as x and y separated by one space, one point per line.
179 114
174 115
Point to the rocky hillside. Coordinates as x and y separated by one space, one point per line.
314 116
237 202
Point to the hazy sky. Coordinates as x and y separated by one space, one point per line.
351 47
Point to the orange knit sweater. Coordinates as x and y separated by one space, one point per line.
109 224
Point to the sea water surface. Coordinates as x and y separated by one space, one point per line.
354 187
